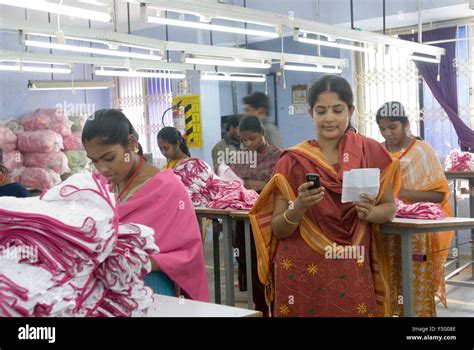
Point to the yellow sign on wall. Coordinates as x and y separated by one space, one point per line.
192 115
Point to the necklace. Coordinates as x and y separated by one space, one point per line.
142 160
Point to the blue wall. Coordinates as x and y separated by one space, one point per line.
16 99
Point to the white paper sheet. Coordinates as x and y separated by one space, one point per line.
359 181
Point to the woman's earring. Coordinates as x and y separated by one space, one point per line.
136 150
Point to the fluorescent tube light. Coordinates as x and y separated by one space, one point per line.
336 45
317 69
256 78
47 85
65 10
227 63
215 27
92 50
139 74
21 68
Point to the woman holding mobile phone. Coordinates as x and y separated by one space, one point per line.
306 239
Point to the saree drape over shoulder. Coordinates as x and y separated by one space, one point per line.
421 170
163 204
301 279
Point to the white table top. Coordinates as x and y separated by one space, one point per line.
166 306
449 221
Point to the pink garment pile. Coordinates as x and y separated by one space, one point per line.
421 210
206 189
80 261
47 119
459 161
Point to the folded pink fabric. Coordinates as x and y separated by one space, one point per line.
208 190
421 210
459 161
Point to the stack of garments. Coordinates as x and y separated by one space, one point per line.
208 190
85 262
421 210
42 145
459 161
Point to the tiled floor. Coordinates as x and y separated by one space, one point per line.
460 299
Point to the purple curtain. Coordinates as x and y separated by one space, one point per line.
445 91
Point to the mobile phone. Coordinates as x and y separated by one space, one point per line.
315 179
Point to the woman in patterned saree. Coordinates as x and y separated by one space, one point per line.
423 180
295 228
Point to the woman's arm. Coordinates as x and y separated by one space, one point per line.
254 185
422 196
286 218
380 213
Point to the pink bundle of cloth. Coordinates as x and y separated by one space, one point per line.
459 161
39 178
65 254
56 161
73 142
206 189
42 141
7 139
421 210
47 119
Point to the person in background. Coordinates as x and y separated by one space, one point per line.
9 189
256 173
299 232
230 142
423 180
153 198
173 146
258 104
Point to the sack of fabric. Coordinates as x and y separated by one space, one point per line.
12 159
39 179
73 142
47 119
41 141
13 124
56 161
8 139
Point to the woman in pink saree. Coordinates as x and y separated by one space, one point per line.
152 198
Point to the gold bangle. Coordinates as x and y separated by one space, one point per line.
288 220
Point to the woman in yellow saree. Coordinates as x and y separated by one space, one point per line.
302 235
173 146
422 180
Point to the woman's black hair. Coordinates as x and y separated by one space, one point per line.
332 83
394 111
251 123
111 126
174 137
